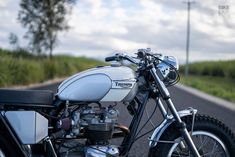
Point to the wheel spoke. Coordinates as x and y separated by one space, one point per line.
208 146
175 155
203 143
213 154
213 149
178 153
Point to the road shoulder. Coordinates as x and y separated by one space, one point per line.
215 100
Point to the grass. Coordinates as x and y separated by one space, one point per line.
214 77
217 86
224 69
22 68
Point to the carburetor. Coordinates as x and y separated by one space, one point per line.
95 123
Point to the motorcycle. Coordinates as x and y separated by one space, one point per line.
81 119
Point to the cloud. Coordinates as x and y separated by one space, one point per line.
99 27
3 4
8 22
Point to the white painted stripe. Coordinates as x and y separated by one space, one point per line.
215 100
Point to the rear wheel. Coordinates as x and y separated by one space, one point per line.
211 137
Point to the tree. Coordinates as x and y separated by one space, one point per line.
13 41
44 19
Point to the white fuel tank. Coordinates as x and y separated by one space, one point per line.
102 84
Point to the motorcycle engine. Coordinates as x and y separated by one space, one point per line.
94 123
98 123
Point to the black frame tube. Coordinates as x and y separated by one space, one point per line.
129 139
15 141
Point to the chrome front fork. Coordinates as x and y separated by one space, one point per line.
183 129
181 125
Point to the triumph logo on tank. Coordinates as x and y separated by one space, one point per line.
122 84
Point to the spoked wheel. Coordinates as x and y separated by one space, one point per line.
207 144
211 138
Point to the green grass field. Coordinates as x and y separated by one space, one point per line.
22 68
217 86
215 78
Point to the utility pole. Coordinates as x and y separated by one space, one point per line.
189 3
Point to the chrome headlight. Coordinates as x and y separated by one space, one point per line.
168 67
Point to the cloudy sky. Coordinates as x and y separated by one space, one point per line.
102 27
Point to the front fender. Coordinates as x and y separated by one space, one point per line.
166 123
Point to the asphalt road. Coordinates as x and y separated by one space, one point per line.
182 100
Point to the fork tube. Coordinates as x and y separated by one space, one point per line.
182 126
161 108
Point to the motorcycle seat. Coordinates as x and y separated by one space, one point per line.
26 97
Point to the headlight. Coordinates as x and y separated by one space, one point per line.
168 67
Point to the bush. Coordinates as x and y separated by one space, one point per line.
20 68
205 71
223 69
217 71
231 72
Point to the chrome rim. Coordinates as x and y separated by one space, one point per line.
207 144
1 153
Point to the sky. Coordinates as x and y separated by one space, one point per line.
99 28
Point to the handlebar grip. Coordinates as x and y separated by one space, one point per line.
112 58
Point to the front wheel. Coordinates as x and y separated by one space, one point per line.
211 137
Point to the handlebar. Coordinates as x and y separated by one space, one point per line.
119 57
142 54
111 58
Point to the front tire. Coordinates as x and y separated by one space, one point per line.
211 137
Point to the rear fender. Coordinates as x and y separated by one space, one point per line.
166 123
